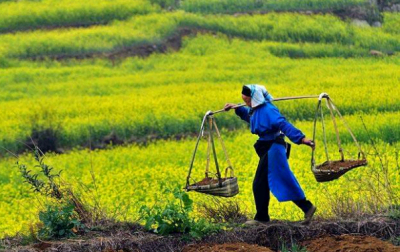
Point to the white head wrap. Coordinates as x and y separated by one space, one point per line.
259 95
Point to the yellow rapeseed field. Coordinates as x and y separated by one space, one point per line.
57 72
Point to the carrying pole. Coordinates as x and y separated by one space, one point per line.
211 139
275 99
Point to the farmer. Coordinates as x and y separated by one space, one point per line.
273 172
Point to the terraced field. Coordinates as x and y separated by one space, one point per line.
74 69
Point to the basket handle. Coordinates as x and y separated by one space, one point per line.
329 104
211 122
230 166
348 128
195 148
314 129
226 171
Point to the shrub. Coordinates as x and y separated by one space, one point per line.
394 212
48 187
174 217
293 248
217 210
59 222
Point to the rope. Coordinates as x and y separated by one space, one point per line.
315 126
195 149
324 134
348 128
226 153
334 124
210 120
208 154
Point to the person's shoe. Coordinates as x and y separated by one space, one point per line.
308 216
255 223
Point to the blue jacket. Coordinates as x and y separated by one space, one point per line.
267 122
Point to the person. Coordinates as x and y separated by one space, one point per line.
273 172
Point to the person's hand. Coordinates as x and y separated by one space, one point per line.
308 142
229 106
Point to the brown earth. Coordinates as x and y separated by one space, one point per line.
349 243
171 43
343 243
208 181
336 165
240 247
322 235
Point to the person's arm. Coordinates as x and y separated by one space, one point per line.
242 112
294 134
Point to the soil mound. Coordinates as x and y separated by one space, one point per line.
349 243
242 247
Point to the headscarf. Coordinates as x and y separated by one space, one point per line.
259 94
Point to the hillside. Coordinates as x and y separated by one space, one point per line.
113 93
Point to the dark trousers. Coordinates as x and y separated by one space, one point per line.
261 186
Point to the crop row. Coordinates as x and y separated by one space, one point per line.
155 28
129 177
167 95
31 15
234 6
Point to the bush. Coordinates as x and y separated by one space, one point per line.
50 186
293 248
217 211
47 182
174 217
3 62
394 212
166 4
59 222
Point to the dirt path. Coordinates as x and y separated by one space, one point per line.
343 243
239 247
369 235
349 243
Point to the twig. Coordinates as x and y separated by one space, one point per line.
12 153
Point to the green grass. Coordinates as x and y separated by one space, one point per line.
392 23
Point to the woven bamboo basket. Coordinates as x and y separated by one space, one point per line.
226 187
215 184
331 170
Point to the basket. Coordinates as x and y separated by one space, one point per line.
331 170
227 187
215 184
